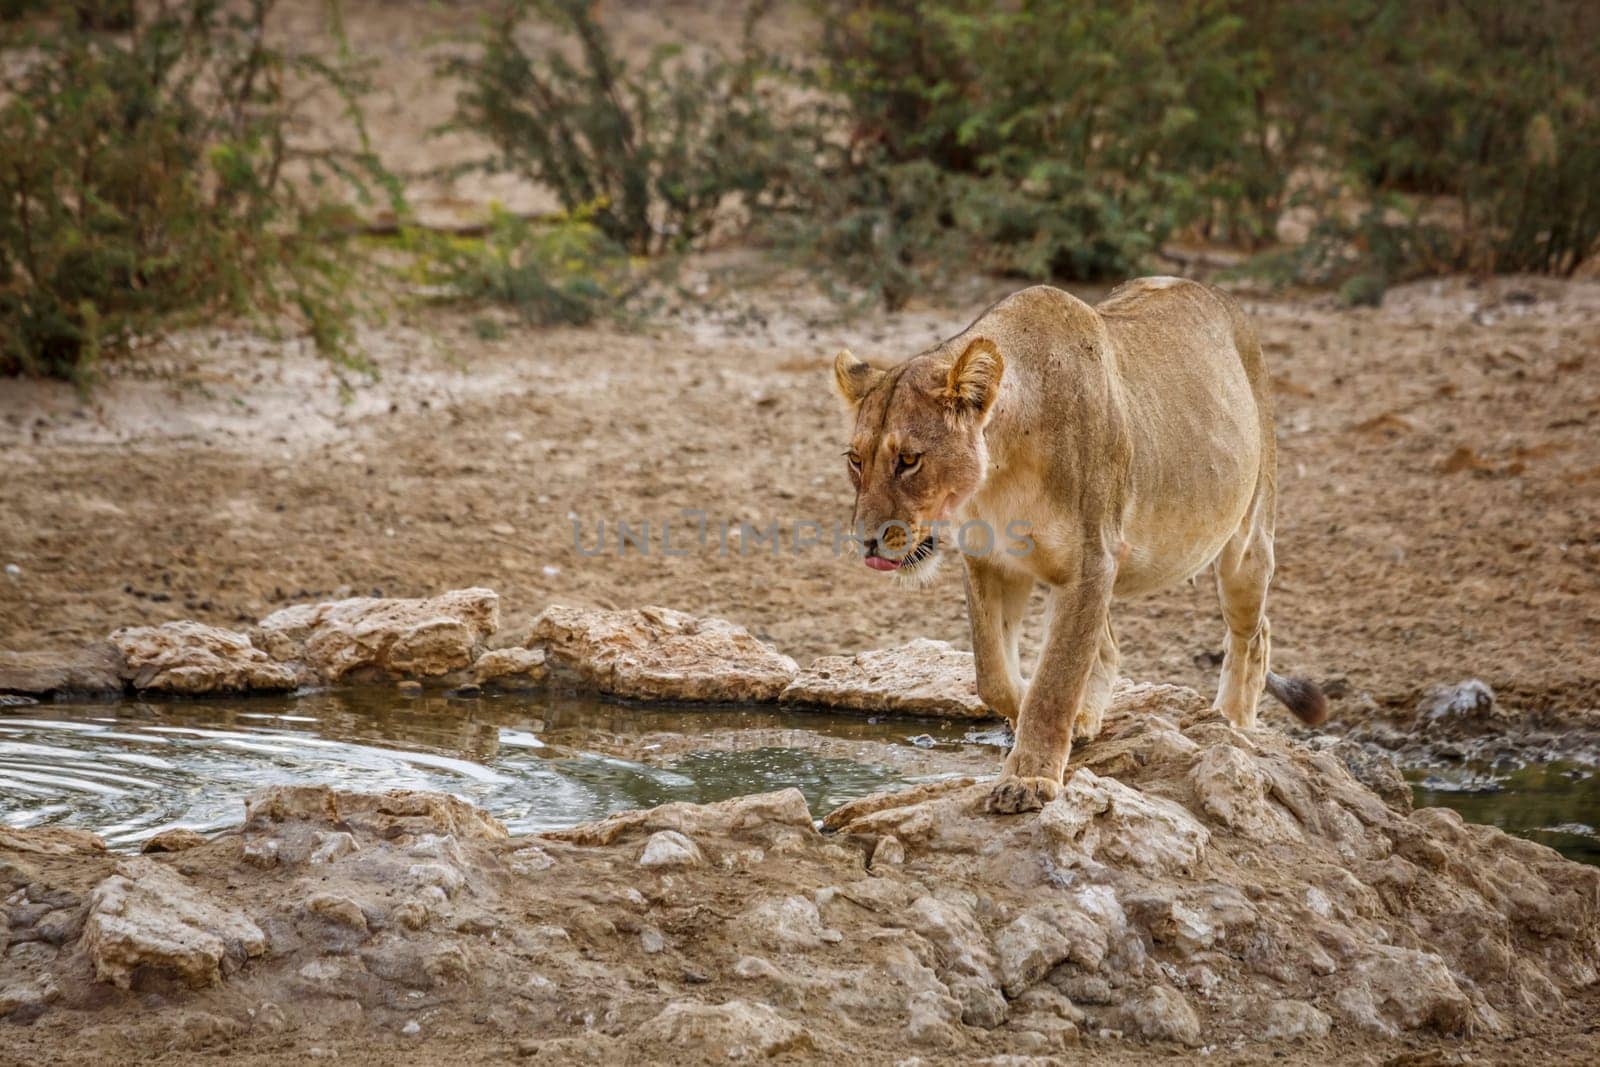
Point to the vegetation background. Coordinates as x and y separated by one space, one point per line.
160 168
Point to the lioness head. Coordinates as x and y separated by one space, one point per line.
917 449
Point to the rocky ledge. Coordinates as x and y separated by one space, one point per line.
1192 886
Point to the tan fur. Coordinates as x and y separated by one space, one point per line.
1135 441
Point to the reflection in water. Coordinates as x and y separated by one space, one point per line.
129 771
1555 804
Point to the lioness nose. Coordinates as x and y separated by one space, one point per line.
871 545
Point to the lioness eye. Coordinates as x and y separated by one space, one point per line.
854 461
907 462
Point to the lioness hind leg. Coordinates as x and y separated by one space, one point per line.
1244 570
1097 696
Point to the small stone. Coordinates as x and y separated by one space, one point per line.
669 848
409 687
1162 1014
736 1030
176 839
651 941
337 909
888 852
1294 1020
511 668
331 847
412 1028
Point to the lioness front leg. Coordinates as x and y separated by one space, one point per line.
1033 771
996 600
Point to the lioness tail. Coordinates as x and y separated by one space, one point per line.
1300 696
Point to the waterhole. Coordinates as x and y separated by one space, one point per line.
129 771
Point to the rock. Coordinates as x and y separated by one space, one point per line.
1100 819
145 915
177 839
1293 1020
1463 709
931 1019
789 922
1162 1014
24 1000
332 847
888 851
397 813
93 671
923 677
511 668
737 1030
194 659
367 638
760 815
1233 789
337 909
1033 943
669 848
1378 771
660 654
49 840
1143 901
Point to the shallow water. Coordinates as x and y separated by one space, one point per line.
1555 804
129 771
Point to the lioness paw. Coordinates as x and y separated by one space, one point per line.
1012 796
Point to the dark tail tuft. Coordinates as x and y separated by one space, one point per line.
1301 697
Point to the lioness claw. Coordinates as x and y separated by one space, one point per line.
1013 796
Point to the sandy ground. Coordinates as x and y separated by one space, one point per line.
1439 461
1440 476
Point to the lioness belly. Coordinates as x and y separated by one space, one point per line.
1191 489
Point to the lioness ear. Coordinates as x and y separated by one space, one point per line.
974 379
853 378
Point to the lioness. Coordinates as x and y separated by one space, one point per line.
1111 450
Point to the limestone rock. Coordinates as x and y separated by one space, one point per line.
1100 819
760 814
193 659
1293 1020
96 670
398 813
736 1030
49 840
511 668
659 654
669 848
1234 789
1162 1014
177 839
145 915
1463 709
366 638
924 677
1143 903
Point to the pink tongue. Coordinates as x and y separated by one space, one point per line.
878 563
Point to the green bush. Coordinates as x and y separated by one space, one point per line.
562 272
1069 140
147 177
650 151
